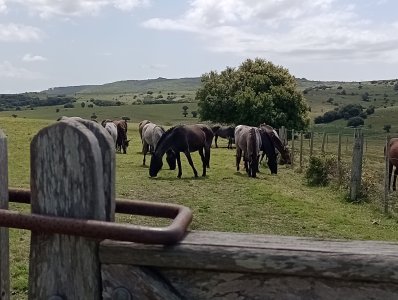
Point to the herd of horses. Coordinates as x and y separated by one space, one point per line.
252 144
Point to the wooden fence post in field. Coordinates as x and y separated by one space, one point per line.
356 168
311 143
323 142
301 149
339 159
67 180
4 239
386 174
346 144
292 148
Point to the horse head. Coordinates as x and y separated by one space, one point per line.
155 165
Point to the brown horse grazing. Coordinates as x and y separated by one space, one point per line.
186 139
248 141
122 142
392 161
282 149
226 132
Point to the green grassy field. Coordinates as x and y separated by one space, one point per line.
225 200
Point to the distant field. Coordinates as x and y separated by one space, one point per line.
160 113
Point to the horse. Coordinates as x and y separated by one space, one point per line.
140 128
112 129
122 142
186 139
282 149
268 148
226 132
151 134
392 161
247 140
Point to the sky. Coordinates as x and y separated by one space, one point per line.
51 43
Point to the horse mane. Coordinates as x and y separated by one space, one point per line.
166 134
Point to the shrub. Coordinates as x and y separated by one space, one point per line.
317 173
69 105
355 122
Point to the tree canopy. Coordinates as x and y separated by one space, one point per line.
256 92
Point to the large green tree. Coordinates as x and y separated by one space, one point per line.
256 92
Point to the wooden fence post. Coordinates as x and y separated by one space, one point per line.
323 142
356 168
339 159
67 179
292 148
311 143
4 239
386 174
301 149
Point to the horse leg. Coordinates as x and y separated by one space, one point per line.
203 157
188 155
207 155
178 158
238 157
395 179
215 140
144 151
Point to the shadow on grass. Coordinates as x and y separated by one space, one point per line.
179 179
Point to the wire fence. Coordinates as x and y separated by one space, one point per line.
340 146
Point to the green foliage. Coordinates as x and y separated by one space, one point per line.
194 114
185 108
387 128
355 122
126 118
83 104
69 105
317 173
256 92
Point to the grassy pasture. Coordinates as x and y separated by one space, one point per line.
226 200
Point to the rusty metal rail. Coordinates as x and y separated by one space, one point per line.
181 215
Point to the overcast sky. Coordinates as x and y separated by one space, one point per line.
48 43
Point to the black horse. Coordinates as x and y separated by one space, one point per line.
268 148
226 132
186 139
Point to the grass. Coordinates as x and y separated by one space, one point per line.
225 200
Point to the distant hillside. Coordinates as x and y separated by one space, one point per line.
132 86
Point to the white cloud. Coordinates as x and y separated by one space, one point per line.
30 58
3 6
76 8
320 29
19 33
8 70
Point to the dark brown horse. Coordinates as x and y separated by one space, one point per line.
226 132
186 139
282 149
393 162
248 142
122 142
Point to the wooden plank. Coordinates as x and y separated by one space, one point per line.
67 181
108 162
137 282
293 256
4 238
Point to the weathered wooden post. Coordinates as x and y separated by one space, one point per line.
311 143
68 161
386 174
356 168
323 142
339 159
292 148
4 239
301 150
